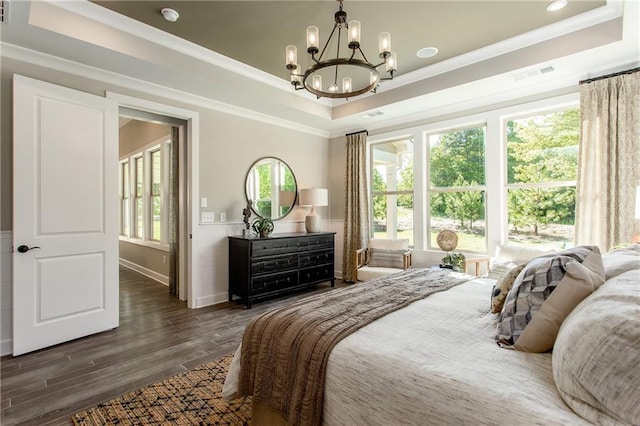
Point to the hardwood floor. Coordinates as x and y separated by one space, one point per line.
158 337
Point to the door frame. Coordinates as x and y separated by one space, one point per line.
189 183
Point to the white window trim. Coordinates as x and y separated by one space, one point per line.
145 153
495 162
429 189
373 193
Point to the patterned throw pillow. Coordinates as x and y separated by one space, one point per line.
386 258
544 293
502 287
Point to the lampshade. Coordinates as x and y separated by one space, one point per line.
314 197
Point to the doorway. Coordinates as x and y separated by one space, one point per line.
149 195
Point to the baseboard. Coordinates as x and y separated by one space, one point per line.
6 347
162 279
212 299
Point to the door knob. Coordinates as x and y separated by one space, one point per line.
24 249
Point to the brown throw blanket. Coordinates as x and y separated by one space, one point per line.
285 351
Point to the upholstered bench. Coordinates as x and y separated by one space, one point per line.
381 257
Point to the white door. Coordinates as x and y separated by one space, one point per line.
65 214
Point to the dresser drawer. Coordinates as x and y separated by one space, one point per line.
318 273
315 258
268 247
269 283
269 265
318 242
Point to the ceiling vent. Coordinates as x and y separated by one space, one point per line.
532 73
372 114
4 11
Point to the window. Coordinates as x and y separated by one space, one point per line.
144 183
139 194
488 175
155 197
456 189
542 158
392 189
124 198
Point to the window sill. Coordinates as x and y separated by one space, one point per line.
150 244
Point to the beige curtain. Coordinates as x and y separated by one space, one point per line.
356 209
609 160
174 200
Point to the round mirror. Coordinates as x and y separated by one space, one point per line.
271 188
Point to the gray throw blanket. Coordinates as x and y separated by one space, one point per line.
285 351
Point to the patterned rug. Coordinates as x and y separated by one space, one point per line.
189 398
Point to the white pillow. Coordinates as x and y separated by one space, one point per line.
519 254
596 356
621 260
389 244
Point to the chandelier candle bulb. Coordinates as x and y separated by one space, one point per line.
317 82
392 64
313 35
346 84
354 34
384 44
292 56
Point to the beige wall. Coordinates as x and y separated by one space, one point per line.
234 143
137 134
149 258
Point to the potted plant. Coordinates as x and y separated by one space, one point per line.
453 260
262 226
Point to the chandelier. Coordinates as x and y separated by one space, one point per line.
357 76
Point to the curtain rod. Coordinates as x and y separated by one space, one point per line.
615 74
355 133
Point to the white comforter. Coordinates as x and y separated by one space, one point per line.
435 362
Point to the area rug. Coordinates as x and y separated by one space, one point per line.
189 398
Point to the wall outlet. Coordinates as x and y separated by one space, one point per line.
203 202
208 217
223 217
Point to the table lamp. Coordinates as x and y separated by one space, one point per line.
313 197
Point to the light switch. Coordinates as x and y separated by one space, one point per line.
223 217
203 202
208 217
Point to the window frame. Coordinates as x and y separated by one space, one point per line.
162 145
495 160
440 190
394 193
528 185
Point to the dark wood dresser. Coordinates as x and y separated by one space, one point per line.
279 264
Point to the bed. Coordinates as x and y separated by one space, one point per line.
436 361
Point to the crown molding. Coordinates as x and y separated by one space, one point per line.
34 57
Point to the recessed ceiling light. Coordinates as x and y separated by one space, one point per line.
170 14
427 52
556 5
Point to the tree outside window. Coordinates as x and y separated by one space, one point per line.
392 189
124 198
139 194
156 195
457 187
542 158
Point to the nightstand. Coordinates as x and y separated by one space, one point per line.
474 265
